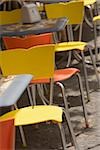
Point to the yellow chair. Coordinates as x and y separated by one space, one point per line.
26 61
42 113
33 61
59 75
10 17
36 62
90 4
75 17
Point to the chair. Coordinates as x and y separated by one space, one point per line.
65 10
7 134
13 16
32 60
27 41
42 113
36 66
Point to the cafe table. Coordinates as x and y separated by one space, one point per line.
12 87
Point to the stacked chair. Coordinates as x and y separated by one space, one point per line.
35 61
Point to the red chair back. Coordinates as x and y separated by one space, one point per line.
7 135
27 41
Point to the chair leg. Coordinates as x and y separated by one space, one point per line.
95 68
83 100
95 42
63 94
85 76
33 90
29 95
90 24
71 129
21 131
51 90
41 94
62 136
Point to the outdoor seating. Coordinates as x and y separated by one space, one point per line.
32 66
49 74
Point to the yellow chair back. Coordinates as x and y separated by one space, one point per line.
38 61
74 11
10 17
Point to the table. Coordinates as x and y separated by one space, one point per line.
12 87
44 26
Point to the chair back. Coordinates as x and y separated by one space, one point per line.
7 135
38 61
27 41
73 11
10 17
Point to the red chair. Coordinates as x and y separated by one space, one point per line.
27 41
7 135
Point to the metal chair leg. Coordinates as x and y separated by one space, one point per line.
85 76
63 94
21 131
33 91
71 129
95 42
95 68
29 95
62 136
41 94
83 100
51 90
90 24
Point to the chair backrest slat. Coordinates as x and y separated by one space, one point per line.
38 61
10 17
74 11
27 41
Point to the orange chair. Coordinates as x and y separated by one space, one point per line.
7 135
27 41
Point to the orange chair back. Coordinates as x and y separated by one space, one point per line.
7 135
27 41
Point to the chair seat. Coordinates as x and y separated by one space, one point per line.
64 46
34 114
89 2
96 18
59 75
